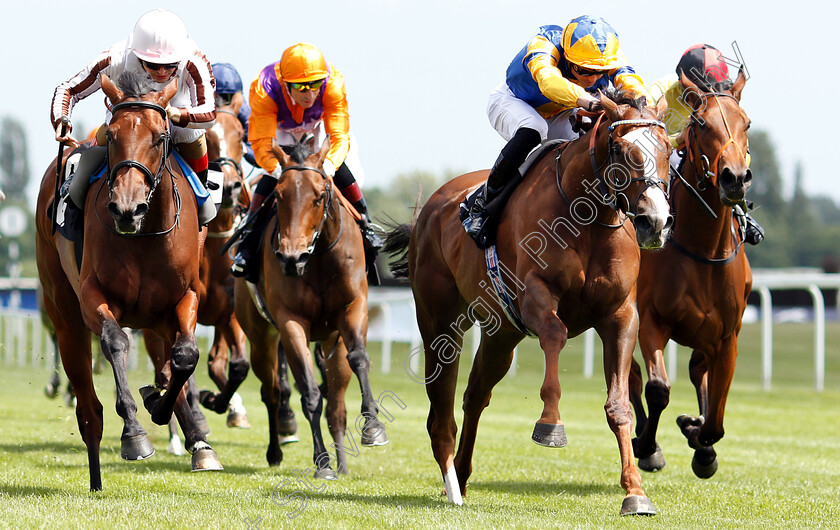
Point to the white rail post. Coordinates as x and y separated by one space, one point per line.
588 352
672 361
819 337
766 336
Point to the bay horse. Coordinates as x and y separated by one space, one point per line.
313 284
565 284
695 290
139 269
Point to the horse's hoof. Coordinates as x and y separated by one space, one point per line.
137 447
637 505
549 435
654 462
205 460
237 420
326 474
704 464
287 426
373 434
288 439
51 391
150 394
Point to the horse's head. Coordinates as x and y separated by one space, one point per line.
637 174
716 139
304 195
225 147
138 145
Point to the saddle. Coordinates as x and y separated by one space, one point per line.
496 206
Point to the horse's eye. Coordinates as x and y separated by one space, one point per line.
159 140
320 199
108 135
749 124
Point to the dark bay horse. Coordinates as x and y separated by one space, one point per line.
574 260
695 289
139 269
225 148
314 288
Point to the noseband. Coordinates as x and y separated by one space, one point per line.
327 207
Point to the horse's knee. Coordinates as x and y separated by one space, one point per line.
359 360
657 392
184 357
618 414
114 340
239 369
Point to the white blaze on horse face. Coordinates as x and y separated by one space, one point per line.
646 144
220 133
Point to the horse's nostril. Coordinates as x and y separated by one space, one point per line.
113 210
748 177
669 222
141 209
642 222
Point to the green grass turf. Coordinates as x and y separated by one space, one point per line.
779 463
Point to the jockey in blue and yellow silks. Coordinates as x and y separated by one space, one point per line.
558 71
299 94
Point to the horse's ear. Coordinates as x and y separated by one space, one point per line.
661 108
281 156
322 154
236 102
690 91
738 85
110 89
610 107
168 92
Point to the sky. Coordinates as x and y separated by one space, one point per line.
418 74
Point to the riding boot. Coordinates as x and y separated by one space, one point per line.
372 242
506 168
753 232
249 237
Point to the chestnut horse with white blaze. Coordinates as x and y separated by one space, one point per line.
574 260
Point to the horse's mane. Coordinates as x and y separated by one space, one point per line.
134 84
625 97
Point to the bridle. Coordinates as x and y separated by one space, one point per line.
607 197
237 167
706 174
152 178
328 201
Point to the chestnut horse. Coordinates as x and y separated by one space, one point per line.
139 269
695 290
314 288
565 284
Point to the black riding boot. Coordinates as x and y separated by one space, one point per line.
373 243
753 232
506 167
249 238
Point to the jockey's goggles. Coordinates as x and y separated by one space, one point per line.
307 85
154 66
586 72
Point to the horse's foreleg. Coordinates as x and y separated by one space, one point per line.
373 433
538 313
618 334
135 444
296 343
287 426
492 362
652 340
229 335
708 429
182 361
73 345
337 376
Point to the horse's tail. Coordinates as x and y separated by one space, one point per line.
396 244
